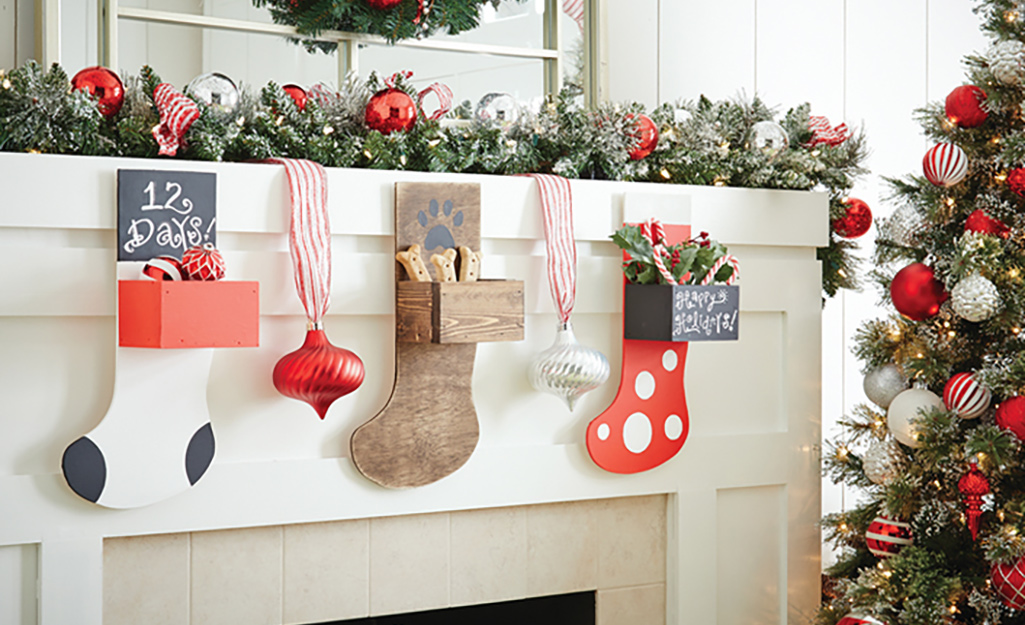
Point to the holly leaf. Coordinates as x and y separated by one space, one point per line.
631 241
649 275
687 256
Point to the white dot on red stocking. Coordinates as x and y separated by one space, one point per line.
637 432
674 427
644 385
669 360
603 431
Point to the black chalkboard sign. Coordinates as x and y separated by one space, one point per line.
662 312
164 212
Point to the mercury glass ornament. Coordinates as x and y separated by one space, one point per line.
883 384
882 462
904 226
1005 61
975 298
499 108
216 90
567 368
767 137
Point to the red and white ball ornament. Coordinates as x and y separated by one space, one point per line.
1010 415
203 262
945 165
103 84
905 409
982 223
390 110
916 293
163 268
856 221
859 619
964 106
964 396
646 135
1008 580
885 537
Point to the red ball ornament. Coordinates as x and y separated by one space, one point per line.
979 221
1009 582
103 84
916 293
384 5
1016 181
298 95
1010 415
945 165
646 134
390 110
856 221
964 106
859 619
318 373
203 262
163 268
885 537
973 485
964 396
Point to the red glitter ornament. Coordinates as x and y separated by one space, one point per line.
298 95
856 220
973 485
964 106
384 5
1016 181
979 221
1009 582
916 293
885 537
203 262
318 373
103 84
390 110
646 135
1010 415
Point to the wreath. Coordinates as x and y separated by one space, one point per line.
391 19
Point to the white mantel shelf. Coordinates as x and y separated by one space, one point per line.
754 404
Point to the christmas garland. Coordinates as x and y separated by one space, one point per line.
727 143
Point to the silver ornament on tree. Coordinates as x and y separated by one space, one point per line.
905 226
883 460
498 108
216 90
1006 61
975 298
884 383
567 368
767 137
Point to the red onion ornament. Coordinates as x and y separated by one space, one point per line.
964 106
318 373
104 85
646 135
916 293
856 221
973 485
390 110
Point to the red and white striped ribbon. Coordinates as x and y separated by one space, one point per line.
444 95
574 9
655 233
177 112
560 244
822 132
724 260
394 78
322 94
309 238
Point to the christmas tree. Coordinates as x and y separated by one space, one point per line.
937 537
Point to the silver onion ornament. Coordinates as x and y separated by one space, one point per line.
216 90
883 460
567 368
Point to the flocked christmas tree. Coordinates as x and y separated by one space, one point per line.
938 536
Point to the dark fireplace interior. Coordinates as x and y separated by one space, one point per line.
572 609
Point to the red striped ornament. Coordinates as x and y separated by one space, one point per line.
885 537
203 262
965 396
163 268
945 164
823 133
1009 582
177 112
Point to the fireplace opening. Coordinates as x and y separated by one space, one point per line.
570 609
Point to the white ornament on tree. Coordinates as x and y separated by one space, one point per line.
882 462
1005 61
884 383
975 298
906 408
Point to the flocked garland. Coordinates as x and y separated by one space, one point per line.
700 142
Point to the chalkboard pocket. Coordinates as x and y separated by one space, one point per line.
166 314
684 312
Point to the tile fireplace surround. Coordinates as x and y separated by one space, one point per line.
284 529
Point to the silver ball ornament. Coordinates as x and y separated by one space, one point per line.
883 460
1006 61
904 227
567 368
883 384
216 90
767 137
975 298
498 108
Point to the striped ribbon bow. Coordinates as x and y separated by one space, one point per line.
177 112
560 244
444 95
309 238
822 132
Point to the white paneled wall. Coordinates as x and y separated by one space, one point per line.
17 24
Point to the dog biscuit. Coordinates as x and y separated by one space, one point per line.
414 264
469 264
445 264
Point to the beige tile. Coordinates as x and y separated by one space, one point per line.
236 576
632 533
409 567
146 580
327 569
562 547
489 555
640 605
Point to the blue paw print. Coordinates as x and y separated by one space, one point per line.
439 235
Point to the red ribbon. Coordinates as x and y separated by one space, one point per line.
822 132
177 112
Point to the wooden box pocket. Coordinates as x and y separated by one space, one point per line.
170 314
459 312
664 312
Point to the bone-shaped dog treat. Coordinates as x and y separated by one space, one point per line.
445 264
469 264
414 264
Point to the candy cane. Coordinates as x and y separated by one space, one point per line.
717 265
653 231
